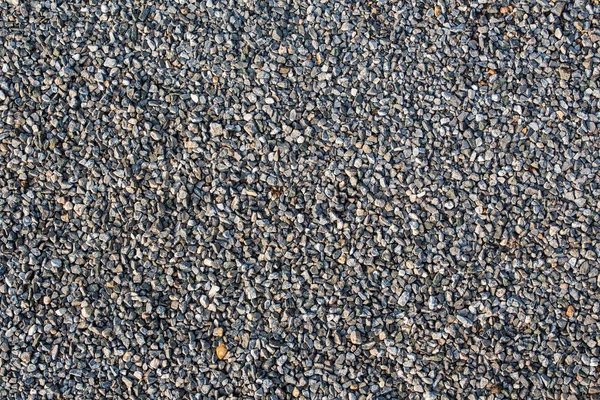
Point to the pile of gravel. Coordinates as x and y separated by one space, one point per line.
316 200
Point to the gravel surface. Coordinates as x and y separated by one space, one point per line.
310 199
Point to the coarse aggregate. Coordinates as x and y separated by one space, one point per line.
261 199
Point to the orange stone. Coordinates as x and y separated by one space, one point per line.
221 351
570 311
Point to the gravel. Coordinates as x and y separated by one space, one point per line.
312 200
